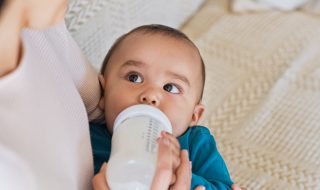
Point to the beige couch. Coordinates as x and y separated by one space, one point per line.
262 92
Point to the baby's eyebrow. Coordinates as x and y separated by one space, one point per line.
133 63
179 77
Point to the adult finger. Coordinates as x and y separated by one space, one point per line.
183 173
200 187
235 187
99 181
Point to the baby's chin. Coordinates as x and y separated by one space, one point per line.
174 132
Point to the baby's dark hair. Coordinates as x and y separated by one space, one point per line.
155 29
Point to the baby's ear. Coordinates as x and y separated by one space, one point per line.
197 114
102 83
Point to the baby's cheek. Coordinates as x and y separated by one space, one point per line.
177 117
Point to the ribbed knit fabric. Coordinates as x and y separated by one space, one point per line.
43 120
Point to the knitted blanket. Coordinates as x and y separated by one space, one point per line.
263 93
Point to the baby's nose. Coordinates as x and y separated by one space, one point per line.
150 97
149 101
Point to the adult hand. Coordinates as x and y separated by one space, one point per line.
99 181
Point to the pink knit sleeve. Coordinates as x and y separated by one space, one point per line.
85 77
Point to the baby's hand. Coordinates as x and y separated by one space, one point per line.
174 146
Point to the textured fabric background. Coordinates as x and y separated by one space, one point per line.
96 24
311 6
262 93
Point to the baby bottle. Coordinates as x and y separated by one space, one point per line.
134 148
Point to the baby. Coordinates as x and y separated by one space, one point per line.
160 66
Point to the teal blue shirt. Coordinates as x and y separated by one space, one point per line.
208 166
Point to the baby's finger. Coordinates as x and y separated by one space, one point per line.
174 147
163 173
172 139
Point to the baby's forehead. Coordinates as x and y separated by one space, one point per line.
164 37
179 37
179 41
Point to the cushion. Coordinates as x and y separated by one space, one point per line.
95 25
257 5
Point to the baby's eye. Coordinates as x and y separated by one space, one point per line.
172 88
135 78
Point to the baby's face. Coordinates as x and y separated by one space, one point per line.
157 70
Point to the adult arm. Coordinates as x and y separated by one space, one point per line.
84 76
16 15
